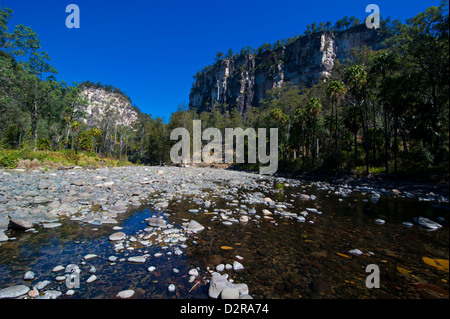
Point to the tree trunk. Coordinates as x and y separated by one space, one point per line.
395 143
34 122
386 142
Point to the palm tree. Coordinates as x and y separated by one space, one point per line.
335 91
313 109
355 77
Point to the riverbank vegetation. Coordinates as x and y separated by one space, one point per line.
383 111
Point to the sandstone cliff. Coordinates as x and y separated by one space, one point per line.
104 105
242 81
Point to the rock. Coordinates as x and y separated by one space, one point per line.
29 275
194 211
355 252
229 293
407 224
374 199
58 268
243 219
90 256
427 223
42 284
30 194
51 225
151 268
33 293
78 182
19 224
194 226
156 222
237 266
379 221
304 197
124 294
4 222
117 236
112 258
246 297
220 268
3 236
52 294
193 272
14 291
171 288
137 259
218 283
92 278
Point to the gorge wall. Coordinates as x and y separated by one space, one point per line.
104 105
242 81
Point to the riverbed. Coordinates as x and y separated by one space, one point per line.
282 238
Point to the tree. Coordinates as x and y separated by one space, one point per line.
335 91
355 77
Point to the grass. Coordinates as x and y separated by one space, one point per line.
29 159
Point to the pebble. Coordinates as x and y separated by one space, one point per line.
171 288
29 275
137 259
117 236
92 278
193 272
237 266
89 256
124 294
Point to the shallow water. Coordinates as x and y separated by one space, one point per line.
283 258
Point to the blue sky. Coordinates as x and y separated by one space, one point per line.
151 49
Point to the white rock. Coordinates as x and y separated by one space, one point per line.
14 291
90 256
29 275
229 293
171 288
117 236
379 221
237 266
92 278
124 294
151 268
137 259
193 272
220 267
194 226
355 252
58 268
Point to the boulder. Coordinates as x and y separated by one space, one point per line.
156 222
194 226
19 224
218 283
14 291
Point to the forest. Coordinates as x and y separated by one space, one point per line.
382 112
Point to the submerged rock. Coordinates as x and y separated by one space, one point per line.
194 226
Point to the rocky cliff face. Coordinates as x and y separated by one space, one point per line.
107 105
243 81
